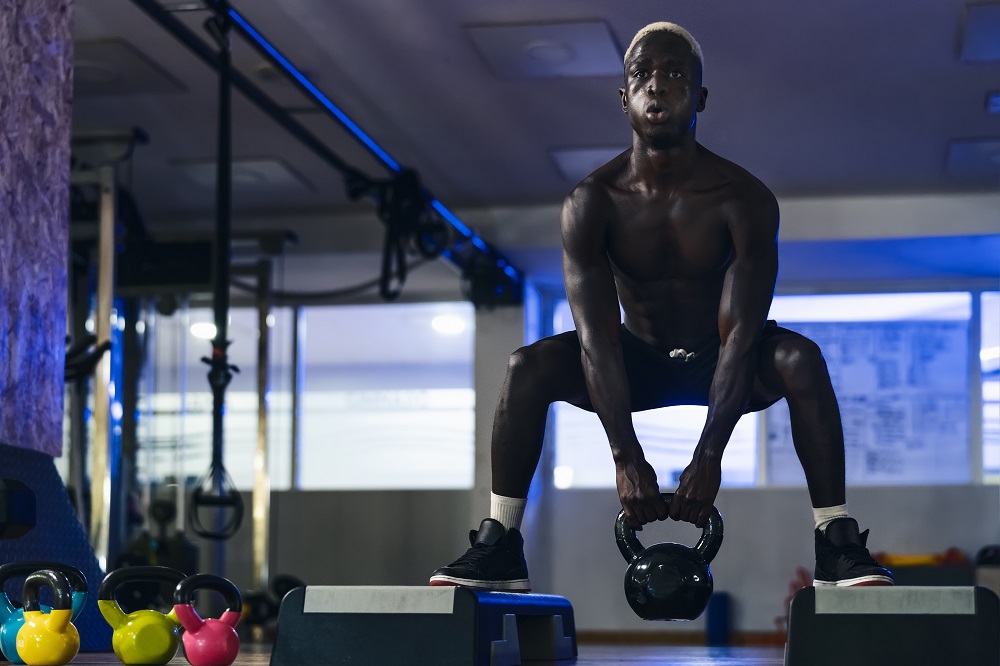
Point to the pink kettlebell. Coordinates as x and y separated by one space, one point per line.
209 642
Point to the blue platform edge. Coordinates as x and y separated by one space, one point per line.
540 604
492 606
57 536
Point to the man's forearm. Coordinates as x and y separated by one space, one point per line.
610 396
728 396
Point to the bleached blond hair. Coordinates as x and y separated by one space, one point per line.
666 26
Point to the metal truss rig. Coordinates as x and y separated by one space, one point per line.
415 219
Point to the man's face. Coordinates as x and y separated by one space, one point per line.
663 91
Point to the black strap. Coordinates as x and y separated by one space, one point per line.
216 490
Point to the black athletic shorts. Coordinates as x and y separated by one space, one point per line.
657 380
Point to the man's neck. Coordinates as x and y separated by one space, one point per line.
656 167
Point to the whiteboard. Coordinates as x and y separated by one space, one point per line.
903 389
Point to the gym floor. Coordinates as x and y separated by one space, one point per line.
590 655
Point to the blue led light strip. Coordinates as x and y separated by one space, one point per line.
351 126
320 97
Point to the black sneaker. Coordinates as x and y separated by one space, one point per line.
495 561
843 560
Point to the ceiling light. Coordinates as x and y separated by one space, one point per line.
545 50
448 324
993 102
980 33
549 52
203 330
98 73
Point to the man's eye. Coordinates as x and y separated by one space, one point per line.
675 74
639 74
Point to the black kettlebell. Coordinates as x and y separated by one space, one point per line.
669 581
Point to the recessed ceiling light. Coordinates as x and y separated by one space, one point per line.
993 102
577 163
250 175
544 50
549 52
981 32
97 73
448 324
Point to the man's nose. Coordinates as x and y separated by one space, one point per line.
656 83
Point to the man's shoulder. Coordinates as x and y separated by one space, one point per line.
743 185
736 175
602 181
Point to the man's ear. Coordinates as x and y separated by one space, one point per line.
702 98
621 91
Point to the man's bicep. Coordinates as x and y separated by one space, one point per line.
590 285
749 285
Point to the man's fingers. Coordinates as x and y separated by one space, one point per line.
630 517
645 513
674 508
703 516
661 508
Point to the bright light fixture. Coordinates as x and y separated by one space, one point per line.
448 324
203 330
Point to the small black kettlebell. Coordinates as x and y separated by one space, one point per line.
669 581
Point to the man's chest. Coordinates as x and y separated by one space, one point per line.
682 237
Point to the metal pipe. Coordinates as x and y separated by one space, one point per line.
298 377
100 482
262 480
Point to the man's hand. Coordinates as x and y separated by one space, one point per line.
639 493
695 495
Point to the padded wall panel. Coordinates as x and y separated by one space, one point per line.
57 535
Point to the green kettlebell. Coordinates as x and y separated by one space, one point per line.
142 636
47 639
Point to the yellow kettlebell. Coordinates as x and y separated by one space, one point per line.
47 639
142 636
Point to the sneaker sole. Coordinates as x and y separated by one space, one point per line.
523 585
860 581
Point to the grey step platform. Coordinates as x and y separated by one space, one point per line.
422 626
883 626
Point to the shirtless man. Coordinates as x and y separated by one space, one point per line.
686 242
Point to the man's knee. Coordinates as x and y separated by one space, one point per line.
800 362
538 366
525 363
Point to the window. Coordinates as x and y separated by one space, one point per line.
900 368
899 365
176 402
388 401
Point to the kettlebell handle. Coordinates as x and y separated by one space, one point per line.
76 578
125 575
62 596
708 545
184 592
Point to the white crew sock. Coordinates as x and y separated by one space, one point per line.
826 515
507 510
